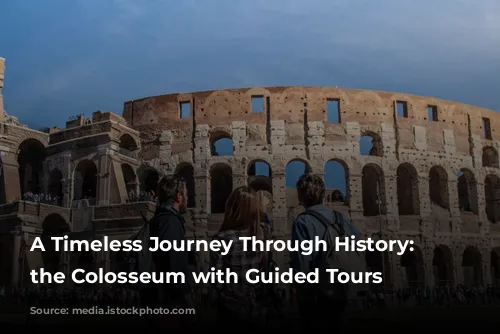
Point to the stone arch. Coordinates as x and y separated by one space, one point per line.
56 186
438 187
492 197
443 269
260 179
130 180
336 177
128 142
472 266
490 157
221 185
30 156
294 170
221 143
413 265
407 189
260 176
186 171
373 189
467 191
54 224
495 266
85 180
148 180
370 143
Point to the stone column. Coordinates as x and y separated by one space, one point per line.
10 172
391 201
486 266
103 182
239 173
355 186
17 241
428 254
424 195
280 216
481 206
459 270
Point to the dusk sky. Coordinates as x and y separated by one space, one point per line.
70 57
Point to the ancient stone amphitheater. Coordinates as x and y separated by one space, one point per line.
431 175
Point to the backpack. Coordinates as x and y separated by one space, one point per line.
139 262
345 261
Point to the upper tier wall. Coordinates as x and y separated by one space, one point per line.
152 115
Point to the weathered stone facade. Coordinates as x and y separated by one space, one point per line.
432 174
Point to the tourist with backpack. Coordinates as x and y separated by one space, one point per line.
169 224
240 305
322 305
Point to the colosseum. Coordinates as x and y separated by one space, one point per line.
430 174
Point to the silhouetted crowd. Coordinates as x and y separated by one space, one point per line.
245 304
41 198
47 296
142 196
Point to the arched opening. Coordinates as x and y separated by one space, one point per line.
260 179
490 157
128 143
467 191
85 180
373 187
492 197
337 180
407 183
186 171
472 266
413 265
371 144
148 181
31 155
379 262
495 266
221 184
438 187
53 225
221 144
130 180
55 186
259 176
294 170
442 263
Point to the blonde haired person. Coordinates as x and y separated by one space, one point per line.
238 303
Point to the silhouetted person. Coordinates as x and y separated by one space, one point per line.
169 224
316 311
238 303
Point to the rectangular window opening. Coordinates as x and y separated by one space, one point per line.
402 109
333 111
432 113
185 109
487 128
258 104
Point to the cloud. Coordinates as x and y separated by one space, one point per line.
125 14
132 48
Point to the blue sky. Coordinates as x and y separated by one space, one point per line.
69 57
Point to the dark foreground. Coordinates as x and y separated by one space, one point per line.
400 320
